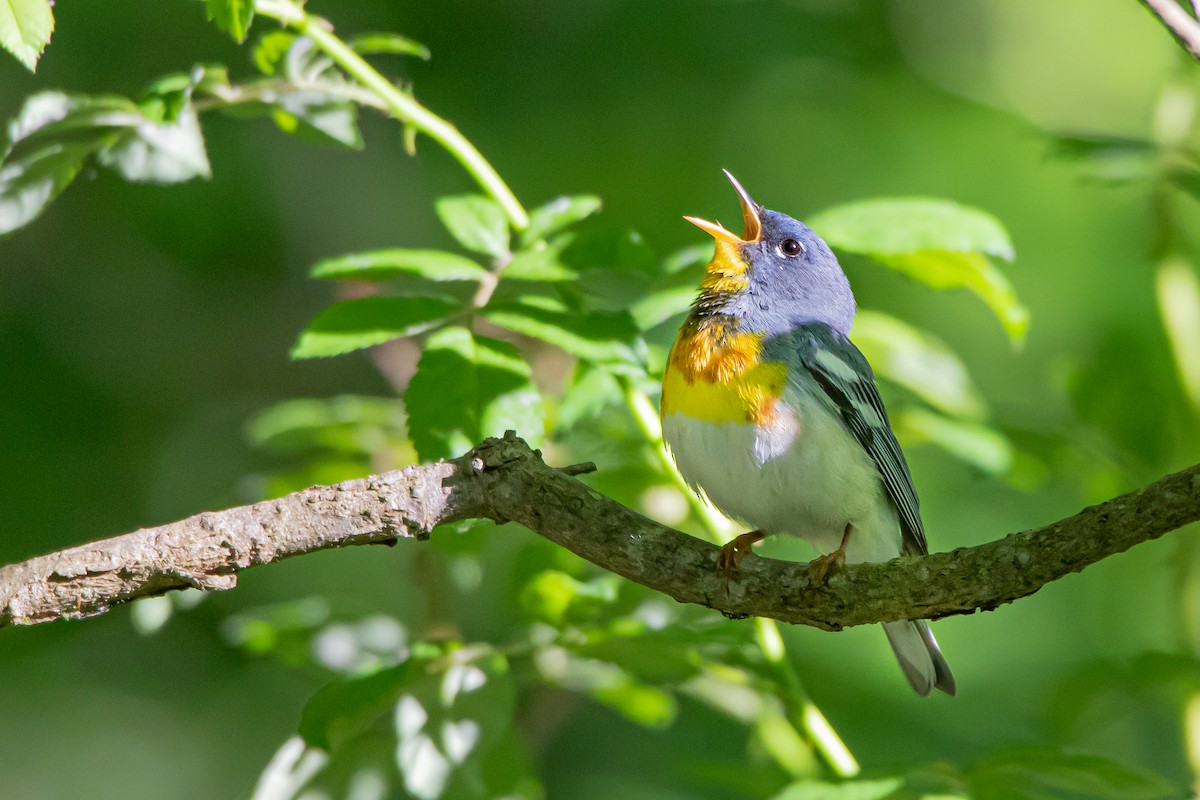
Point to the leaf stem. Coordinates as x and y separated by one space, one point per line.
802 713
403 107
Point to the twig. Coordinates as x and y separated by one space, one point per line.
1183 26
503 480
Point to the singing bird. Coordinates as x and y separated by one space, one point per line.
772 413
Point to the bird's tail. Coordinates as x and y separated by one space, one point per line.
919 656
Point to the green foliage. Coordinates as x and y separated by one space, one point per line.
25 28
354 324
467 387
232 16
433 265
1025 773
559 329
477 222
942 244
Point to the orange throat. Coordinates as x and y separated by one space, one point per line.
714 373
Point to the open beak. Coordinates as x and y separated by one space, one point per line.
750 217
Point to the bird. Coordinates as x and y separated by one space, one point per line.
772 414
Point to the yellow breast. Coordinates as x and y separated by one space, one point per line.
714 374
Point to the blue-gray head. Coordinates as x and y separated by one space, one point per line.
778 274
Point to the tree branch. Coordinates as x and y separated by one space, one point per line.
503 480
1182 25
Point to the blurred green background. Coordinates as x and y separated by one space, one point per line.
141 328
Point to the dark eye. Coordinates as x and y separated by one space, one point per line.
791 248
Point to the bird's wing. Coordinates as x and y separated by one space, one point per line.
846 378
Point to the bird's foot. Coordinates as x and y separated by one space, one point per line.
821 567
730 556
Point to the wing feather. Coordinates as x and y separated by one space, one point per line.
845 376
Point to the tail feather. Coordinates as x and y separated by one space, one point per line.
919 656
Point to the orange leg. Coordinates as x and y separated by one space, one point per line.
820 568
732 553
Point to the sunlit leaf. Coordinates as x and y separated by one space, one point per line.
978 445
940 243
542 261
1179 305
25 28
169 95
599 337
270 50
347 424
556 598
434 265
48 142
232 16
477 222
558 214
902 225
388 44
318 117
468 387
163 153
917 361
354 324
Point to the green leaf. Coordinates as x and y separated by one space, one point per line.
354 324
232 16
25 28
917 361
316 116
388 44
599 337
591 391
477 222
48 142
163 153
556 598
850 790
342 709
345 424
558 214
270 50
29 185
466 388
978 445
903 225
940 243
169 95
942 269
542 261
1032 773
377 265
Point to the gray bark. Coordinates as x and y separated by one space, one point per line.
503 480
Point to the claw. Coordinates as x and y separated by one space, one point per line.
821 567
730 556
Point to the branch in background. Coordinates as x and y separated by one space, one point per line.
503 480
1183 26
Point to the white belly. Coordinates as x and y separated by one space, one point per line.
808 477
